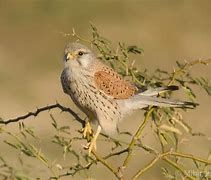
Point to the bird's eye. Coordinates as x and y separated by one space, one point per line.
80 53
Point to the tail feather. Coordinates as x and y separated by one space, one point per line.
157 91
141 101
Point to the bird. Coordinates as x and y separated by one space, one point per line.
103 95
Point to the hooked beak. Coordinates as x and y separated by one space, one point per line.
69 56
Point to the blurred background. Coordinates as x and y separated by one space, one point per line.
31 53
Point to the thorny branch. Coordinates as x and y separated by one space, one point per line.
42 109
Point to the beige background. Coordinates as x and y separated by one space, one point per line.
31 53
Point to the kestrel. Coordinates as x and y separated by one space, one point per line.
102 94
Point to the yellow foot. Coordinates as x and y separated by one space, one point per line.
87 131
92 146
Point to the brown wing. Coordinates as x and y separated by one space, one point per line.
65 82
112 84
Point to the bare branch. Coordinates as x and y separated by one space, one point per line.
43 109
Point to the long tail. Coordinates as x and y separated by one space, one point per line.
139 101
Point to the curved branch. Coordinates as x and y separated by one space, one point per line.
43 109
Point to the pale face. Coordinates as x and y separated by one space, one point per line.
78 56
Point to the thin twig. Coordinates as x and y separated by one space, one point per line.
112 169
185 66
75 170
189 156
148 148
140 172
175 165
116 153
74 34
147 167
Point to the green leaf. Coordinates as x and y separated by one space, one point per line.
134 49
94 31
30 132
166 173
209 156
12 145
54 123
179 64
183 124
170 129
189 92
162 138
204 83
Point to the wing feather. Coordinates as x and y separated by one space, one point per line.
113 85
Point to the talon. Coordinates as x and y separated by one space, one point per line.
92 144
87 131
86 147
92 147
88 134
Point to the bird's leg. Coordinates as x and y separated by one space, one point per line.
87 131
90 136
92 145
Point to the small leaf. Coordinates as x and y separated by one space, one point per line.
209 156
94 31
12 145
183 124
163 138
134 49
188 91
30 132
54 123
161 71
58 166
23 134
168 137
64 128
170 129
166 173
179 64
204 83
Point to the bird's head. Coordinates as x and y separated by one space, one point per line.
78 55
